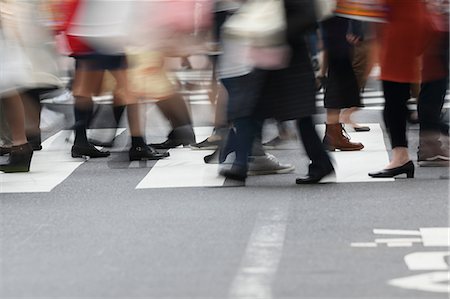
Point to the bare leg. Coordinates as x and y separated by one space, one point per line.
15 117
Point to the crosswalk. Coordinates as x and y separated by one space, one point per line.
185 167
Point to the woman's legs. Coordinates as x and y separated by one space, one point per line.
395 114
139 149
21 152
86 83
334 134
320 161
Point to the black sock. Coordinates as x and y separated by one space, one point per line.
82 118
118 111
137 141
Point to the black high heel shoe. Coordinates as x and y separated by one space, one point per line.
19 159
88 150
407 168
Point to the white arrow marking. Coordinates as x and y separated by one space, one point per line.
436 282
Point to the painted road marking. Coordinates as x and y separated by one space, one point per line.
262 256
435 260
401 232
355 166
436 282
399 240
184 168
49 167
436 236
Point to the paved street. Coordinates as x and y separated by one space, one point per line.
108 228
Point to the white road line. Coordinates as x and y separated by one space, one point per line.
398 240
355 166
184 168
396 232
422 261
49 167
260 262
436 236
400 244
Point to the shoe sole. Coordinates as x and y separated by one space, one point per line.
267 172
206 148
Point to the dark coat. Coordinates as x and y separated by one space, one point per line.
290 93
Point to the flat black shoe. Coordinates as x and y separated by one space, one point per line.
138 153
170 143
88 150
407 168
236 173
107 144
19 159
313 178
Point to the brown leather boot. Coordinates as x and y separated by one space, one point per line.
337 138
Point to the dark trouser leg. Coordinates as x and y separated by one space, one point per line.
431 100
245 134
320 161
175 110
395 111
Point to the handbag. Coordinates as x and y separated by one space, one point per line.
259 23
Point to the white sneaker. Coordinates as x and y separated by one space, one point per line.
268 164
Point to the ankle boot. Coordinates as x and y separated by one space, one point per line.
337 138
19 159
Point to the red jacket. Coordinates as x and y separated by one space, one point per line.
402 41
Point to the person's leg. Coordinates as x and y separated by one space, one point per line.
395 113
429 108
245 134
32 105
320 161
139 149
335 137
21 152
85 83
176 111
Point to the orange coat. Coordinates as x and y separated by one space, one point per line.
402 41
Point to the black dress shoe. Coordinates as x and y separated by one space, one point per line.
19 159
88 150
183 135
236 173
313 178
407 168
108 144
145 152
171 143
